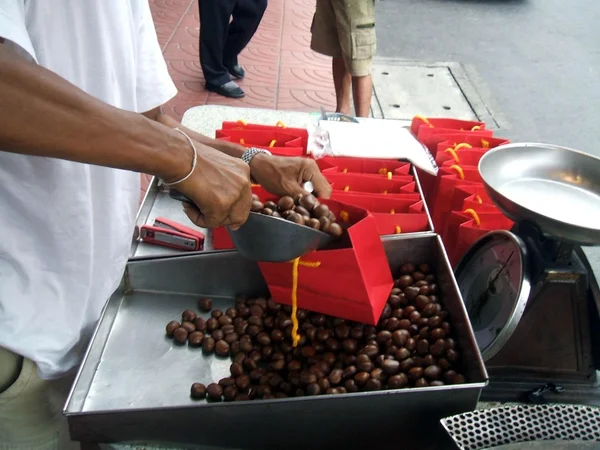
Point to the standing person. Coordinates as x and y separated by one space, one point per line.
222 40
345 30
81 89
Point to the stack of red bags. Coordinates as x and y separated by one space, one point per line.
370 198
387 189
460 209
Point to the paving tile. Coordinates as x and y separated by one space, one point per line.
164 16
185 70
191 90
172 5
256 97
192 18
306 58
260 55
296 24
267 37
186 34
305 78
296 41
176 108
302 13
305 100
259 75
187 51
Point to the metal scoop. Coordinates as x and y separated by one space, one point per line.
272 239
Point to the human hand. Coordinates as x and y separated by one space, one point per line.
219 188
285 176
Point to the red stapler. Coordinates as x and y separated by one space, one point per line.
171 234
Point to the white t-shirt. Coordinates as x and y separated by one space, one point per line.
66 228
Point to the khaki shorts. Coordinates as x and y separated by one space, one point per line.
346 29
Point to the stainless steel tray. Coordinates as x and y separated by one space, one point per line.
134 383
157 203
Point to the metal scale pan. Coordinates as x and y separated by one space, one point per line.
527 290
556 188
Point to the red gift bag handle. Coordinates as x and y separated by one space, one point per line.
459 171
453 150
474 215
427 122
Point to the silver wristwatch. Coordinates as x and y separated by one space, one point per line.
251 153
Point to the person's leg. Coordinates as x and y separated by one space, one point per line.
342 80
31 410
214 26
356 28
247 15
362 92
325 40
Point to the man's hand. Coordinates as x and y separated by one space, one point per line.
285 176
220 189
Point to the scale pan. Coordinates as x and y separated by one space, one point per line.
556 188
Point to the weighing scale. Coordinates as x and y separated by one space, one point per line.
527 291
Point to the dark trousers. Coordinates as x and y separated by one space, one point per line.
221 41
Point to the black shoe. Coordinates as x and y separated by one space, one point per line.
229 89
237 71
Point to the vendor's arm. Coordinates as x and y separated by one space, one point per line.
278 175
44 115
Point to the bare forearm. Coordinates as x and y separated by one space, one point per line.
44 115
228 148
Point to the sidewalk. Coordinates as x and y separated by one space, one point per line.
281 70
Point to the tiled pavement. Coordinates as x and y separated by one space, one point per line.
282 71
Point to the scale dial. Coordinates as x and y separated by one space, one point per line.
495 285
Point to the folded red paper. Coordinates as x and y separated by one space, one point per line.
352 282
371 184
441 198
385 167
302 133
260 138
443 122
466 227
394 214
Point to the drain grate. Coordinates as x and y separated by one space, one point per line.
487 428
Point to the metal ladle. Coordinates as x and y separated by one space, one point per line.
272 239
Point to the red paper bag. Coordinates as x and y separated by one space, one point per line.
352 282
394 215
370 166
302 133
371 184
474 192
452 124
326 166
463 157
221 239
476 203
471 226
220 236
448 179
431 141
260 138
471 141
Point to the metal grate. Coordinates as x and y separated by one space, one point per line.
487 428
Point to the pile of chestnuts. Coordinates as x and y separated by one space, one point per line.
411 346
302 209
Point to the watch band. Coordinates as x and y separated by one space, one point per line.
251 153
